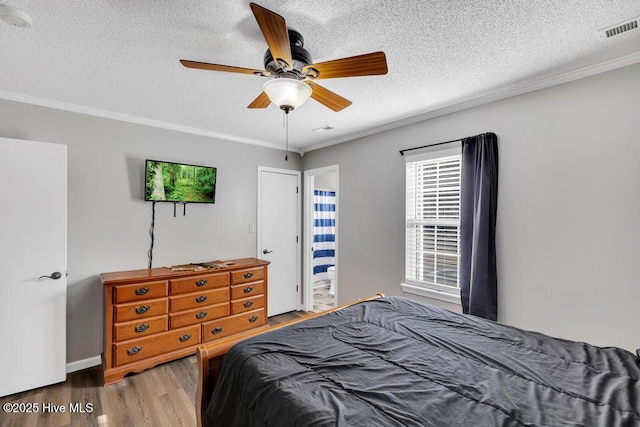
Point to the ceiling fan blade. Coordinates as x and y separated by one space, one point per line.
369 64
218 67
327 98
262 101
274 30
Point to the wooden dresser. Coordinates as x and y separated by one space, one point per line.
156 315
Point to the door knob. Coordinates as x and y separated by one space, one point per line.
55 275
265 251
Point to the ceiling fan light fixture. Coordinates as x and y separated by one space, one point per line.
287 94
15 17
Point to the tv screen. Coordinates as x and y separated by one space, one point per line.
179 183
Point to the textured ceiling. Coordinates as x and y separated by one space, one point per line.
119 59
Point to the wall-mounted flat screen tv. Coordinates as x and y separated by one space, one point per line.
179 183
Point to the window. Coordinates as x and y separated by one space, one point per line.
432 245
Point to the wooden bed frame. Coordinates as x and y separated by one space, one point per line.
210 357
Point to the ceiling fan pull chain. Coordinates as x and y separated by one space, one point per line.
286 135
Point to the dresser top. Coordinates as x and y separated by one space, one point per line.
161 273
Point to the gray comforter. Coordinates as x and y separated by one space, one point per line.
395 362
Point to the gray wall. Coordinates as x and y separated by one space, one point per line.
569 210
325 182
108 221
568 234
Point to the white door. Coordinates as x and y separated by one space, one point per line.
33 243
278 239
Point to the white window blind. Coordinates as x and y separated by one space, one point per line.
432 256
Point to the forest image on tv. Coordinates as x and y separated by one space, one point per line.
173 182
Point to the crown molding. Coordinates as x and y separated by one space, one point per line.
74 108
470 102
488 97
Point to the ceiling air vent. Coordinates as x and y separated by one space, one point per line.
324 128
617 29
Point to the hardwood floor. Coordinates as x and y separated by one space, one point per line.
161 396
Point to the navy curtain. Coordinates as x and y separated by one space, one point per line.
478 207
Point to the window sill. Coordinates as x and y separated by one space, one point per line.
450 297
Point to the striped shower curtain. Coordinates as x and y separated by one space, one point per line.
324 233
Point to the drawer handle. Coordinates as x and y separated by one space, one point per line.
142 309
248 275
134 350
142 291
252 319
216 330
201 315
248 304
142 327
201 282
185 337
247 289
201 298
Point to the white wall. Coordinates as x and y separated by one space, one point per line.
568 235
108 221
325 182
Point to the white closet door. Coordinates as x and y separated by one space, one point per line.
33 243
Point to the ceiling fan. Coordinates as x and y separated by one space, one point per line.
290 65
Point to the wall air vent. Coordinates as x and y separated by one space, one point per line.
617 29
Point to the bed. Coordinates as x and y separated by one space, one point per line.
390 361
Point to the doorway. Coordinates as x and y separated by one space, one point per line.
279 208
321 238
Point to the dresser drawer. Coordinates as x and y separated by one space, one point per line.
247 290
198 299
140 310
231 325
247 304
140 328
199 315
137 349
198 283
139 291
247 275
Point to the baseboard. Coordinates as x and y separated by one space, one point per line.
79 365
